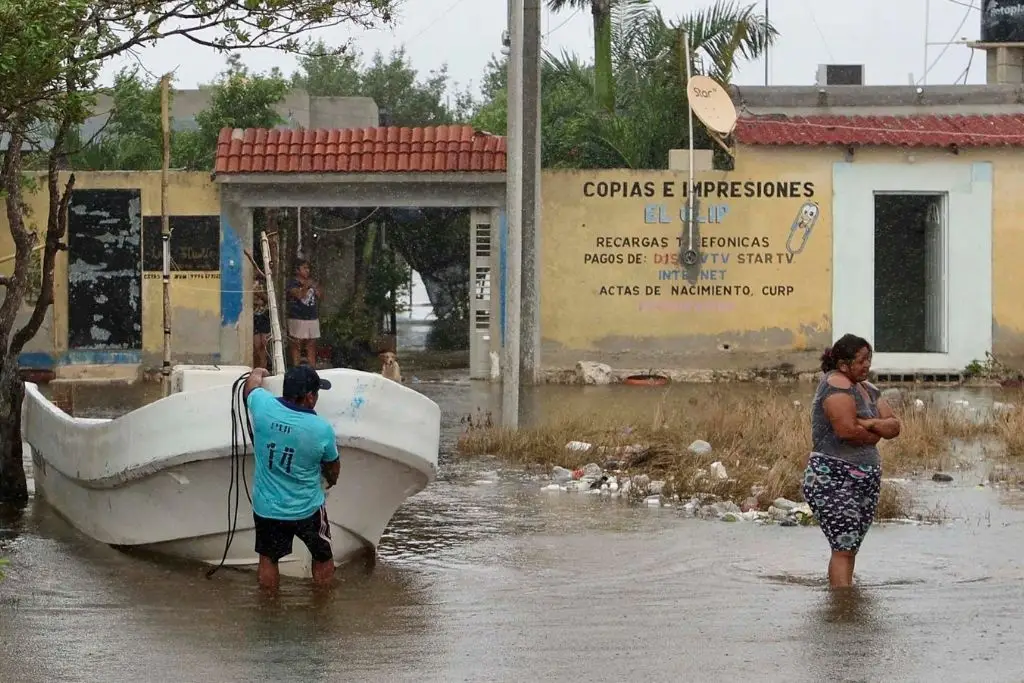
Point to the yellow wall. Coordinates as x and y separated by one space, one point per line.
602 259
195 297
612 287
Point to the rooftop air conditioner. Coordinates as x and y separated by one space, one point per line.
840 74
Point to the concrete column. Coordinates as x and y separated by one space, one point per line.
514 217
236 234
1005 66
529 349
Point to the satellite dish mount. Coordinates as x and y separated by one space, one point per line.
708 100
710 103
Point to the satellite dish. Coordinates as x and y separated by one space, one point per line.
711 104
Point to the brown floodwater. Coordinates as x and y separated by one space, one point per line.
483 577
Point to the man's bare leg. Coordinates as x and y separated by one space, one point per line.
323 573
267 574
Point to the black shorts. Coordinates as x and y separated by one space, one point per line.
261 323
274 536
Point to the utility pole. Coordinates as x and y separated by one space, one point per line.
529 355
514 221
165 227
766 47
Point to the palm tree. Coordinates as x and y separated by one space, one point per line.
648 117
604 77
720 36
721 33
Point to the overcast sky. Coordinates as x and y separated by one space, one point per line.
887 36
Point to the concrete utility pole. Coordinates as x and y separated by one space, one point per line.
530 342
514 221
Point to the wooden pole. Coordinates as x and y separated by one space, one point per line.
275 320
284 263
165 228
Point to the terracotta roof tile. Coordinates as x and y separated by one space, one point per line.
1000 130
437 149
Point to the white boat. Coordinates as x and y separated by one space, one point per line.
161 478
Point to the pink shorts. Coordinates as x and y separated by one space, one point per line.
303 329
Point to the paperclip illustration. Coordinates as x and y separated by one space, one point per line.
803 224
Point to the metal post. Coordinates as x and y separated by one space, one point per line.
165 228
688 256
531 70
689 113
927 17
766 47
514 218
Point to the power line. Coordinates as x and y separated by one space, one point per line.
817 27
952 41
349 227
563 23
967 70
438 18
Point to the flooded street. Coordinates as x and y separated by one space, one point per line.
498 581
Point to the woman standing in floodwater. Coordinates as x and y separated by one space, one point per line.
844 472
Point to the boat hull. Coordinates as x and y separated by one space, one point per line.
161 478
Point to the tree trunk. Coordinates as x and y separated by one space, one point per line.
13 486
369 246
604 76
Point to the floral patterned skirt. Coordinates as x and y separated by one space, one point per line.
843 497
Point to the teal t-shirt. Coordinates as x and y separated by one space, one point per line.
290 444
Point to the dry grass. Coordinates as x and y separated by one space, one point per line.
1008 456
1009 427
925 437
763 441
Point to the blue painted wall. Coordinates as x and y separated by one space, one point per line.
45 361
230 273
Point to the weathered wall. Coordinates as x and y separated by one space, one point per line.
1007 250
194 207
612 290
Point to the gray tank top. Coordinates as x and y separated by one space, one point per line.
823 436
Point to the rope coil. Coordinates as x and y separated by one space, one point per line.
239 451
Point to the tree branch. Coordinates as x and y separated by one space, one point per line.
271 28
56 228
10 178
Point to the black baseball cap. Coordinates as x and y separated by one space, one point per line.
302 380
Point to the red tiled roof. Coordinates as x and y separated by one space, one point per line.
1000 130
437 149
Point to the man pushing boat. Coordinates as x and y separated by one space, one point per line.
293 448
